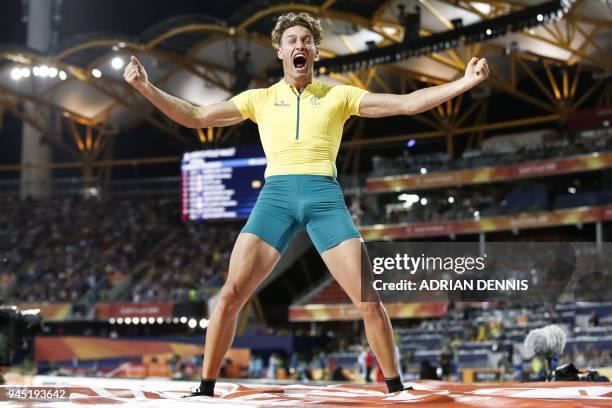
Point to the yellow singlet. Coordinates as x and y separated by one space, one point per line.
300 133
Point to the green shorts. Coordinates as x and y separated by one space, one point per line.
288 203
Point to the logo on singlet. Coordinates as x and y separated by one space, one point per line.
281 103
315 101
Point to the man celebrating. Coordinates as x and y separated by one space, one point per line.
300 122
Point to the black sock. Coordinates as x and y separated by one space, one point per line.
394 384
207 387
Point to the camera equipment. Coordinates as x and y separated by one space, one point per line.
548 342
15 327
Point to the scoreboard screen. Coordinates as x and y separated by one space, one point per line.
221 183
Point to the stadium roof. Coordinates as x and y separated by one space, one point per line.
191 56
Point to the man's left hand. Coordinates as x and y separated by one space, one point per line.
477 71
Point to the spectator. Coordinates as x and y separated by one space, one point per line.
594 320
273 365
428 372
446 362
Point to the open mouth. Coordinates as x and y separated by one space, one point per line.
299 61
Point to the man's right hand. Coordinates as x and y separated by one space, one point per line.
136 75
182 112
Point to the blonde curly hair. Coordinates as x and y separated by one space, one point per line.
296 19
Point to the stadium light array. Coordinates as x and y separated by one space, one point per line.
141 320
190 321
40 71
96 73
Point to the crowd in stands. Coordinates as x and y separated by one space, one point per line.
454 204
64 248
193 258
494 338
468 338
473 202
485 337
436 162
479 201
76 249
483 200
488 338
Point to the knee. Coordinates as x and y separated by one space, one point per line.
371 310
231 298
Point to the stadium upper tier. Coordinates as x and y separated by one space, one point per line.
504 155
456 205
191 56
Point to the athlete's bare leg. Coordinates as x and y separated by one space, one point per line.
251 262
344 263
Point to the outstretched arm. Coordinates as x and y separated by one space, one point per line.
377 105
179 110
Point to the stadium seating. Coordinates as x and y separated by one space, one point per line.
77 249
433 162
